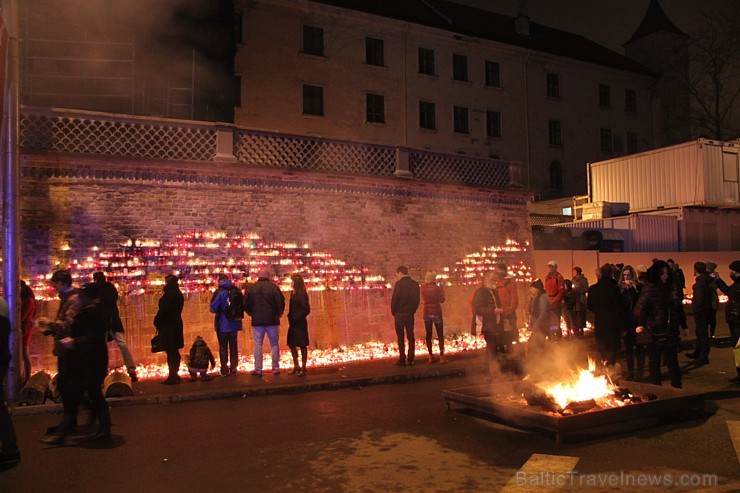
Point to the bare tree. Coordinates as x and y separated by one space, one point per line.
714 75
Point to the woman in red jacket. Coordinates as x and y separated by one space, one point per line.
432 296
28 314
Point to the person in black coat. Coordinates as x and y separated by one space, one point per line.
404 303
9 453
659 314
109 303
633 351
605 300
83 365
701 307
298 325
732 310
168 322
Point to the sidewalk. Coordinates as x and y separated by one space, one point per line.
710 379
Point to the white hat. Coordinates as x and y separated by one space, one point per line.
552 262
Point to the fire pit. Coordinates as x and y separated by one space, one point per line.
503 401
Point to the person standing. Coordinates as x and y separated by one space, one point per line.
712 272
509 297
580 287
9 453
109 303
83 365
732 310
555 289
28 314
298 310
487 305
265 304
404 303
634 349
168 322
605 301
228 323
432 296
658 314
701 306
540 315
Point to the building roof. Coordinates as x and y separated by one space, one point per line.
469 21
655 21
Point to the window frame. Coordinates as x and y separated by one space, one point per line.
605 96
606 138
461 125
427 109
374 51
555 133
553 85
493 125
490 80
313 40
460 67
427 62
372 113
320 99
630 101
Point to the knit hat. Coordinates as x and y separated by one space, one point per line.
537 283
735 265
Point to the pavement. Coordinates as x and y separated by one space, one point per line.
711 380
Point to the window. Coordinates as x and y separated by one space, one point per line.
237 90
460 67
426 61
493 124
554 133
461 122
631 143
427 118
630 101
604 96
556 175
493 78
313 40
553 85
374 53
606 139
313 100
375 108
238 31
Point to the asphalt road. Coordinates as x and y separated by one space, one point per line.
398 437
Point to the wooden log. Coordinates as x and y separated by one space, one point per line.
35 391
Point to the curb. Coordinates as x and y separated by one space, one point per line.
249 391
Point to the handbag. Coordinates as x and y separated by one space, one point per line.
157 346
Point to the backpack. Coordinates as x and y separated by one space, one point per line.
234 309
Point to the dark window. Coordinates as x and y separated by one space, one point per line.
605 99
493 77
460 67
426 61
553 85
313 100
493 124
238 31
630 101
606 139
554 133
313 40
461 123
427 117
556 175
237 90
631 143
375 108
374 52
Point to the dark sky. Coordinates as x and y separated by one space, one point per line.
608 22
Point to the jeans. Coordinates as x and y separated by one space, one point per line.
273 333
7 431
228 351
128 360
439 325
405 323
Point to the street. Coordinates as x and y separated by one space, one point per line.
398 437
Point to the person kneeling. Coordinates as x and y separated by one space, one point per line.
200 358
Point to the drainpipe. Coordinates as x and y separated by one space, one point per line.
11 191
526 121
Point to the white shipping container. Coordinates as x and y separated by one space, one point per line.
697 173
640 232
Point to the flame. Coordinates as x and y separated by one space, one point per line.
583 385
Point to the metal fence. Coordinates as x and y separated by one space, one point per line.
79 132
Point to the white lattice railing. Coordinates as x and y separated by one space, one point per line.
80 132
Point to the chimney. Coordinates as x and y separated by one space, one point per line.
521 23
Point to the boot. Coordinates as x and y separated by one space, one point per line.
104 432
442 358
132 374
736 379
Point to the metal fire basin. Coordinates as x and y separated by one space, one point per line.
493 401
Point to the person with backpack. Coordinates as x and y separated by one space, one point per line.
228 308
265 304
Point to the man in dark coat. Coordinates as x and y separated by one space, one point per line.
168 322
605 301
9 453
404 303
109 304
265 304
732 310
701 306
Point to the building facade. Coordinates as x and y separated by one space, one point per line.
442 77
